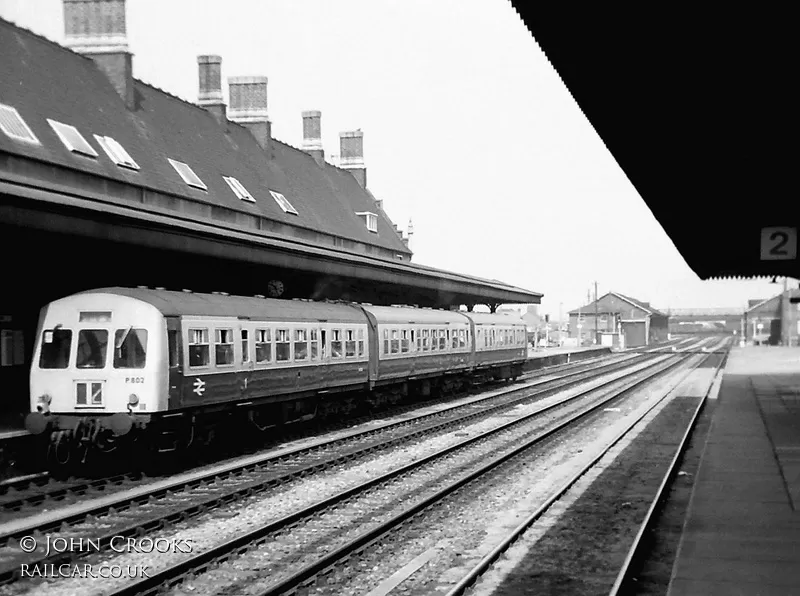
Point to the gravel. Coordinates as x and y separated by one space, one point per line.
230 521
472 523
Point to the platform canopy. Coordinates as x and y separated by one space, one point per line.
693 101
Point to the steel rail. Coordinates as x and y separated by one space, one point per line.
233 469
9 573
634 552
175 573
487 561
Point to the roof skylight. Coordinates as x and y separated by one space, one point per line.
116 152
14 126
238 189
72 139
283 202
188 175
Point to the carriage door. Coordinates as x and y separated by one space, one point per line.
175 353
246 356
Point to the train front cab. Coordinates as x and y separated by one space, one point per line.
98 365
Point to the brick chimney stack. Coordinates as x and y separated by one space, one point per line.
209 96
96 28
312 135
351 155
248 107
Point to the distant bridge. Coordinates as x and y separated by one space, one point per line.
705 320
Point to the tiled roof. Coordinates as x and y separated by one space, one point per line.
45 80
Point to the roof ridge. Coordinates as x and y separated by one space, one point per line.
39 36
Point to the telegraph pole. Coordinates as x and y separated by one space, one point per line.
596 317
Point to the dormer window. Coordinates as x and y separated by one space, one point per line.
188 175
283 202
238 189
116 152
14 126
371 219
72 139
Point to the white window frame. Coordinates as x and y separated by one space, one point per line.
370 219
283 203
116 152
238 189
61 130
12 113
176 165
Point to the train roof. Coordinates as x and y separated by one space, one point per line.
485 318
407 315
171 303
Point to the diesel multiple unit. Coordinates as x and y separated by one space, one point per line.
119 362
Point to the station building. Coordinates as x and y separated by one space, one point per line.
619 320
106 180
774 321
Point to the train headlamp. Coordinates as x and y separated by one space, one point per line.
133 400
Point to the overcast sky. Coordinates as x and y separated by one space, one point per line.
467 129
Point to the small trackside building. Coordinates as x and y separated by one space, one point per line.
774 321
639 323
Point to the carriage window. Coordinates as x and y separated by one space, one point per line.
55 348
404 340
92 345
360 342
462 338
130 348
434 339
223 350
198 347
385 341
314 344
454 342
283 348
336 343
414 339
395 341
350 344
424 340
443 339
172 346
263 345
245 346
324 335
300 344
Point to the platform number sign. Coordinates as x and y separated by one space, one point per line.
778 244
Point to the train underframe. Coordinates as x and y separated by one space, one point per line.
74 442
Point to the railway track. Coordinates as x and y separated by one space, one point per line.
228 487
34 492
381 504
623 583
38 487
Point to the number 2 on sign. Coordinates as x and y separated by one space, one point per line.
778 244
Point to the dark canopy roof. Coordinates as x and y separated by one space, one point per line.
693 102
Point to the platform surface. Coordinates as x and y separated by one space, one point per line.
741 536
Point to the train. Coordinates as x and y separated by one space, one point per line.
160 369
